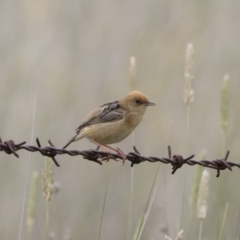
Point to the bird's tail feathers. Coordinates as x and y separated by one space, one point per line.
70 141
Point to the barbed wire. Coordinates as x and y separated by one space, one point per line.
177 161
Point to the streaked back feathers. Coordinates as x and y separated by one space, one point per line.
108 112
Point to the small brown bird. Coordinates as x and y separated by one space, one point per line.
113 122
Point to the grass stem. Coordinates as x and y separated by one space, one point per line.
47 220
146 207
28 166
200 230
223 222
104 201
129 232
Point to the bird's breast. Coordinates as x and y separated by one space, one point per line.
133 120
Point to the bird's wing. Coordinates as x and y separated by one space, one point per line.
106 113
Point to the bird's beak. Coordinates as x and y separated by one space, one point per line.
150 104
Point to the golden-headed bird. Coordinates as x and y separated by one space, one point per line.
113 122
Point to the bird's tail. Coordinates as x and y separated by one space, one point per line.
70 141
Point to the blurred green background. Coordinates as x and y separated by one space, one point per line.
67 57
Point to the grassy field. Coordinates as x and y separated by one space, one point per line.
60 59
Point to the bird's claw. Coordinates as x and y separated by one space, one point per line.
122 154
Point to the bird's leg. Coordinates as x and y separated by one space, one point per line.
119 151
100 145
103 147
97 147
106 148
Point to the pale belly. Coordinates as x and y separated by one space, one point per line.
108 133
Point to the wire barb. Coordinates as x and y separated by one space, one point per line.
135 157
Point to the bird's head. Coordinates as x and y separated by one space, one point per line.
136 103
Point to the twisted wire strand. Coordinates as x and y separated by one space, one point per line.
177 161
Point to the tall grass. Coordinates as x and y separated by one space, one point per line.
195 190
32 203
104 200
202 203
225 110
223 222
28 164
133 86
178 237
148 206
188 97
48 189
224 119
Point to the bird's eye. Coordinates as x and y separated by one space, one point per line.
137 101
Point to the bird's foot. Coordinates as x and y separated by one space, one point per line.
122 154
107 159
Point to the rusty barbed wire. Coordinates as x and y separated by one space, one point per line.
177 161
